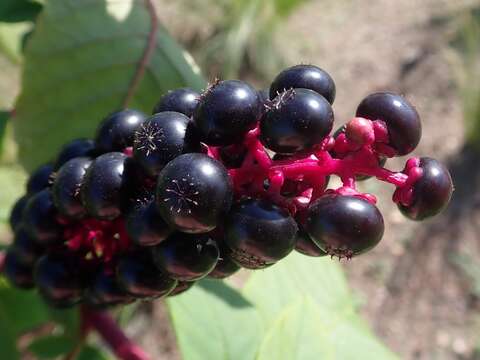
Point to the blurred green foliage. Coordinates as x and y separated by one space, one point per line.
244 37
19 10
466 43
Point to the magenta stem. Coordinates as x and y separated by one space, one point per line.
2 261
107 328
261 176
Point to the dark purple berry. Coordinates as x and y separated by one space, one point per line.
431 193
138 275
194 192
297 120
225 266
101 191
66 187
163 137
40 217
307 77
145 226
138 187
401 118
17 273
39 179
344 226
305 245
25 247
73 149
117 130
227 110
17 212
259 233
59 279
106 291
232 156
183 100
181 287
186 257
264 97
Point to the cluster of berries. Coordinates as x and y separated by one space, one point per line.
232 177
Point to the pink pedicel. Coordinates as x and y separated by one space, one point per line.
304 175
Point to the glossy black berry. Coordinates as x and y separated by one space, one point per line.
101 191
138 275
227 110
18 274
297 120
232 156
186 257
225 266
40 217
17 212
106 291
264 97
183 100
58 278
194 192
305 245
66 187
181 287
116 131
431 193
73 149
344 226
145 226
163 137
307 77
259 233
39 179
25 247
402 119
138 186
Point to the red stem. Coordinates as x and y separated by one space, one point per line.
2 260
107 328
260 176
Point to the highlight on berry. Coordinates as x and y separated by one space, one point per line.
228 178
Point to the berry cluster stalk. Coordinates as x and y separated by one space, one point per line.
107 328
311 170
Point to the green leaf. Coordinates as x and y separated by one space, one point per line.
12 183
4 116
297 334
302 331
92 353
80 64
69 319
11 39
293 278
20 311
7 341
214 321
330 303
50 347
19 10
